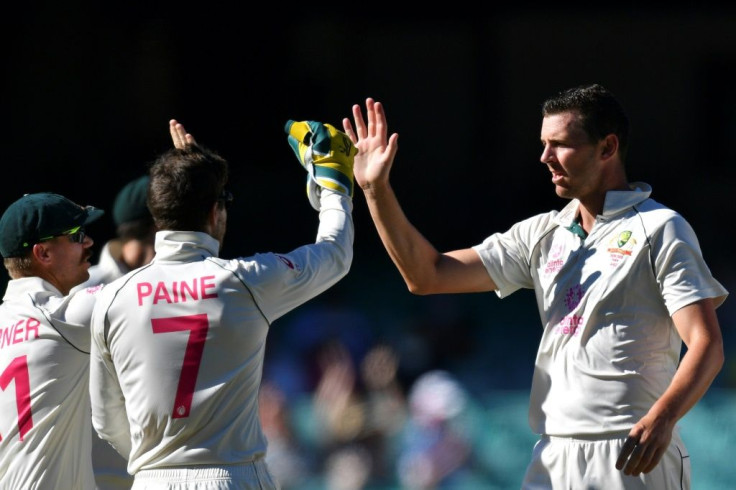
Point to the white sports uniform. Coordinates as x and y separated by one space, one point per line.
178 346
109 267
45 425
609 348
110 468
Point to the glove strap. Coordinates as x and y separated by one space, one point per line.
336 180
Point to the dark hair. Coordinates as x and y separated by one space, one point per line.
600 113
138 229
184 185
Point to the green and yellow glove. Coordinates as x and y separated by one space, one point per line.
326 154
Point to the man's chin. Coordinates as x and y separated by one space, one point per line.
563 192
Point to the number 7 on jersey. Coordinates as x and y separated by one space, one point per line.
197 326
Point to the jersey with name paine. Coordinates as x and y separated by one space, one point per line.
178 345
45 430
609 348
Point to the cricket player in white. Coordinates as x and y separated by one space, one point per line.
132 247
620 283
178 345
45 430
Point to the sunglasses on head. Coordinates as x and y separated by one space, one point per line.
76 235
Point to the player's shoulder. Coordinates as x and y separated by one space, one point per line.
111 285
655 214
654 207
664 225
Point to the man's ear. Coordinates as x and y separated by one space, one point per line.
41 252
609 146
212 217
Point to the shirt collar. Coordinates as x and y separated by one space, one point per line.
185 245
614 203
34 286
617 201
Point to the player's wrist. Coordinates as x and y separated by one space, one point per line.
376 189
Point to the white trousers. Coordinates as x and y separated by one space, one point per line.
248 476
563 463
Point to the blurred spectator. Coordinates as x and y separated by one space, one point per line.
288 461
300 338
348 468
338 403
386 407
434 449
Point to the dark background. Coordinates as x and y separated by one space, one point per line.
87 94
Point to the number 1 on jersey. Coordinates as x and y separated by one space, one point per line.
18 370
197 326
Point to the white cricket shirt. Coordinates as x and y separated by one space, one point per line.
110 468
44 387
178 345
609 348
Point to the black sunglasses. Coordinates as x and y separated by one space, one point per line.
76 235
226 198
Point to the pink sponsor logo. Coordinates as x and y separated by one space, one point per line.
553 266
555 262
556 251
569 325
573 296
94 289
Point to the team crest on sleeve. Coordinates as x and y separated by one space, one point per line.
289 263
621 246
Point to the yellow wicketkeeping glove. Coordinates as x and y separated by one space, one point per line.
326 154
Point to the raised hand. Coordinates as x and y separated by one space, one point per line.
376 150
179 135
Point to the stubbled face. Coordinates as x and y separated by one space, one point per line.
220 225
70 262
570 156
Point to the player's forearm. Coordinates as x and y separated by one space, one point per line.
698 368
698 326
414 256
336 226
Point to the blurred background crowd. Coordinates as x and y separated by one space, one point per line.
429 393
369 387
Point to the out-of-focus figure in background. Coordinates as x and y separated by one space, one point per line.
435 446
132 247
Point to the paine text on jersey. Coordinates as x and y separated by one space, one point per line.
176 291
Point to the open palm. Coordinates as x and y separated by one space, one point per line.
376 151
